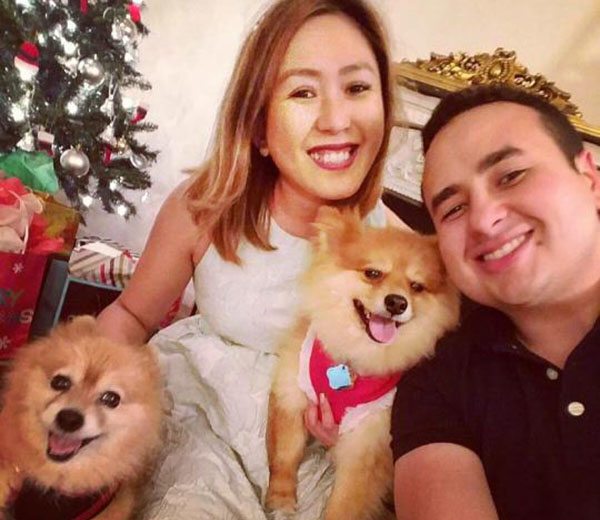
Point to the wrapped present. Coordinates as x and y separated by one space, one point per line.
102 262
107 264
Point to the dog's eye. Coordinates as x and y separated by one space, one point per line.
110 399
417 287
373 274
60 383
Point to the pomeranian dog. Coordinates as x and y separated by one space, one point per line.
80 426
374 302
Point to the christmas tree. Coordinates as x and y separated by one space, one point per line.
67 73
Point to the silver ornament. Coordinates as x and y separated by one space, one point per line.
108 135
69 64
108 107
124 30
92 72
75 162
138 161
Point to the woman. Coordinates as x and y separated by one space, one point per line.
304 123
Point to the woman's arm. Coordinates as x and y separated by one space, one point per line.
442 481
161 275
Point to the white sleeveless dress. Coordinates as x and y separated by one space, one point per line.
217 367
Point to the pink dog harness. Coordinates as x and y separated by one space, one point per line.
352 397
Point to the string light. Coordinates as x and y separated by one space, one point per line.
122 210
17 113
113 185
72 108
70 48
87 200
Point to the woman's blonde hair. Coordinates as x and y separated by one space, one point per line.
231 191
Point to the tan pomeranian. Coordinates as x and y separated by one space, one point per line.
375 301
79 427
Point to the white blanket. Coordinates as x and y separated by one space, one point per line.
215 463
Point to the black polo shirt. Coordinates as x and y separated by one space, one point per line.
535 427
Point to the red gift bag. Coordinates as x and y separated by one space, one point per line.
20 282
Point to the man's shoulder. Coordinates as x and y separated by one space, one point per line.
480 328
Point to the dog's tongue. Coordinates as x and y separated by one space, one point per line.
60 445
382 329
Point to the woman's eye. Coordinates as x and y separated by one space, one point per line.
511 177
453 212
373 274
303 93
359 88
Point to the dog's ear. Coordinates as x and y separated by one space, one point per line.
335 226
83 324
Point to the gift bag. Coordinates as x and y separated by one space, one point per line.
20 282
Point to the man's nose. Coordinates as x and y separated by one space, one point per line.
334 114
486 212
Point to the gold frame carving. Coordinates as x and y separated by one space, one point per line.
442 74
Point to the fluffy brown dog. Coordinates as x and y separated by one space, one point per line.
375 302
79 427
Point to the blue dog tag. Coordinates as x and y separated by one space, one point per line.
339 377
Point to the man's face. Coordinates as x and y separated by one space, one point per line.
517 225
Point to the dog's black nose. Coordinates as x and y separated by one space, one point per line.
395 304
69 420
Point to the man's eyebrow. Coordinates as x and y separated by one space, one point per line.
314 73
487 162
495 157
443 195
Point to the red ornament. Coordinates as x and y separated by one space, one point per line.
28 58
83 6
140 113
106 156
135 13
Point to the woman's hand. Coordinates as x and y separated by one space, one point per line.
325 430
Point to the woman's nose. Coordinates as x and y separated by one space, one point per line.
334 114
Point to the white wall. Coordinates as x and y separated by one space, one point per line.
193 43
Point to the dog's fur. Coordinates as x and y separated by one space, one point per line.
343 251
127 436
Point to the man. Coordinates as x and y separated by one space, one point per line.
505 421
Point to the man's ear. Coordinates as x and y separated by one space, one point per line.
586 165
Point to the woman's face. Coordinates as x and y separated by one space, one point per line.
325 117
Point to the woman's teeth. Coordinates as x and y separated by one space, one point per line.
506 249
331 158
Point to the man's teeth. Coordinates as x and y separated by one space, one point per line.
506 249
331 157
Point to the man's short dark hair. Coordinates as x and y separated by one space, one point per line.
554 121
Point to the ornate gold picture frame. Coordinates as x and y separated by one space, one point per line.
422 83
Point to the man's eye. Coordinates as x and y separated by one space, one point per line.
303 93
359 88
511 177
453 212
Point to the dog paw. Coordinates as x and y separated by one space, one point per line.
281 502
